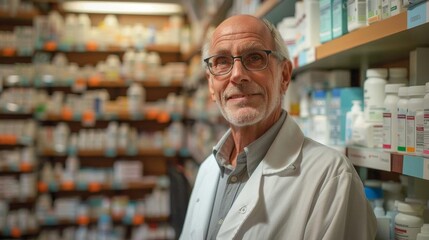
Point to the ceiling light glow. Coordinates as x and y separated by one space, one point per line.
145 8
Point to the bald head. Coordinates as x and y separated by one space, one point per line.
246 27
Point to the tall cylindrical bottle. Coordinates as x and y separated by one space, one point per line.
402 119
415 131
374 94
390 124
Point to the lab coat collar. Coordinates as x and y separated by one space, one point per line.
285 150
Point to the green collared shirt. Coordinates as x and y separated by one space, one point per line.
232 180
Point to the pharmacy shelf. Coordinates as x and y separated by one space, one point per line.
89 189
162 153
276 10
62 223
14 59
415 166
384 41
369 158
19 18
18 234
18 203
168 53
14 171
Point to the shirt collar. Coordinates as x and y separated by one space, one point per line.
254 152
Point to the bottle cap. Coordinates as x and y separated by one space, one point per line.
425 228
413 208
403 92
393 88
414 91
376 72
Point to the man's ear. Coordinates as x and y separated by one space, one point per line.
286 75
210 83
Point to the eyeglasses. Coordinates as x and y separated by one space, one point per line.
252 61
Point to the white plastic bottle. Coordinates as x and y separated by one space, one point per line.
374 94
320 128
351 117
402 119
426 122
424 233
409 221
61 135
390 124
415 131
398 75
136 97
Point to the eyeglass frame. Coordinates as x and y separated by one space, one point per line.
268 52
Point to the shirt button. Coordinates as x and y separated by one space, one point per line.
233 179
243 210
220 221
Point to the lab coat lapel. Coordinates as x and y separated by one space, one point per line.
242 207
279 158
204 201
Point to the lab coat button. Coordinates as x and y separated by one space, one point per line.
233 179
198 200
220 221
243 210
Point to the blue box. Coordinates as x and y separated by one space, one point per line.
418 15
337 115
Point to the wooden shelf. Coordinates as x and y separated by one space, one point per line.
15 59
20 18
100 153
385 41
276 10
117 221
415 166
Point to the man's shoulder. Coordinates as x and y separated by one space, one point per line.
318 154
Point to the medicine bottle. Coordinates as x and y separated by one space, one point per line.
415 131
374 94
402 119
426 122
424 233
408 221
351 117
398 75
390 124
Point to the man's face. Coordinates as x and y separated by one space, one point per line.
247 97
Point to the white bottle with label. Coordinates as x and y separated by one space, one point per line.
409 221
426 122
424 233
402 119
351 117
136 97
374 94
415 131
390 124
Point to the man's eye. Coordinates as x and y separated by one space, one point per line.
222 61
254 57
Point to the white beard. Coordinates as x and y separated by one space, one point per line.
247 115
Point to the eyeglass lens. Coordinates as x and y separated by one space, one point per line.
222 64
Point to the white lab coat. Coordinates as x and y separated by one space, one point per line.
300 190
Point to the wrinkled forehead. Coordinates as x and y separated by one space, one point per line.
242 32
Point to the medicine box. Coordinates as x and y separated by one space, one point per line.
418 15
